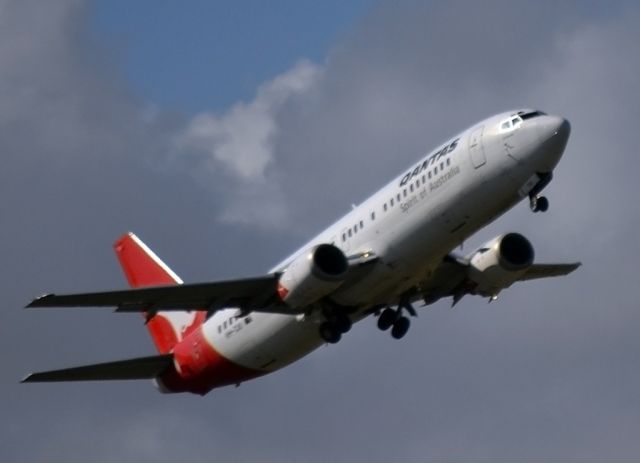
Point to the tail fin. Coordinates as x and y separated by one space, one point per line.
143 267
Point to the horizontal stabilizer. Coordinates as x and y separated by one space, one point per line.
137 368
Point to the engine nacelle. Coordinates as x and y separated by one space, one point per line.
499 263
312 275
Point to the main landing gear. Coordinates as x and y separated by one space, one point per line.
538 203
394 319
336 325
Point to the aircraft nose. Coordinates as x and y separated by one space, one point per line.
553 133
554 128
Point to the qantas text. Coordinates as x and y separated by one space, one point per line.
432 159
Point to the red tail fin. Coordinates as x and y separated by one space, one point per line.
143 267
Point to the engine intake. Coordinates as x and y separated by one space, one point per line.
329 262
515 251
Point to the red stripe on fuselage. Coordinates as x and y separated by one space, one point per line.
200 367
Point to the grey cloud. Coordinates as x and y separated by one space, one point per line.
549 372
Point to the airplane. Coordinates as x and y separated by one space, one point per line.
394 250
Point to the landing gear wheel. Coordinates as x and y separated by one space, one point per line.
542 204
329 333
539 203
400 327
387 318
342 323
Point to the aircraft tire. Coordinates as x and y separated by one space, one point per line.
329 333
343 323
387 318
400 327
542 204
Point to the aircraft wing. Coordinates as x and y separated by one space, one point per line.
548 270
252 294
450 278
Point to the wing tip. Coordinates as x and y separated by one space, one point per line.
39 301
27 379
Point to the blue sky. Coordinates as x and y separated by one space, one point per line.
214 53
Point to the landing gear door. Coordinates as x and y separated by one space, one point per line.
476 149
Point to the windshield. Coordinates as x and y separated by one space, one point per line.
512 123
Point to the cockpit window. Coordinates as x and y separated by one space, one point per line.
531 115
510 124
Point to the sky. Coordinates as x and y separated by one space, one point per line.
225 134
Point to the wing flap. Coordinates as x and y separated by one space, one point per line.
136 368
247 294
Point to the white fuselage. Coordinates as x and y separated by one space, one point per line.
409 225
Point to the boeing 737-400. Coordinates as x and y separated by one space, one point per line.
382 258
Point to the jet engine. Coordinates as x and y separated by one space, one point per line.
499 263
312 275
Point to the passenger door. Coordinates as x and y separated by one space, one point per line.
476 148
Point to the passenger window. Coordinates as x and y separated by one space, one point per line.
349 232
404 192
355 228
224 325
435 171
219 329
417 183
391 202
373 216
429 174
362 224
448 162
411 188
424 179
247 320
442 166
398 197
385 207
344 237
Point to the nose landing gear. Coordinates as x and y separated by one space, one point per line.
538 203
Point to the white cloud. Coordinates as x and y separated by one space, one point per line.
240 145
